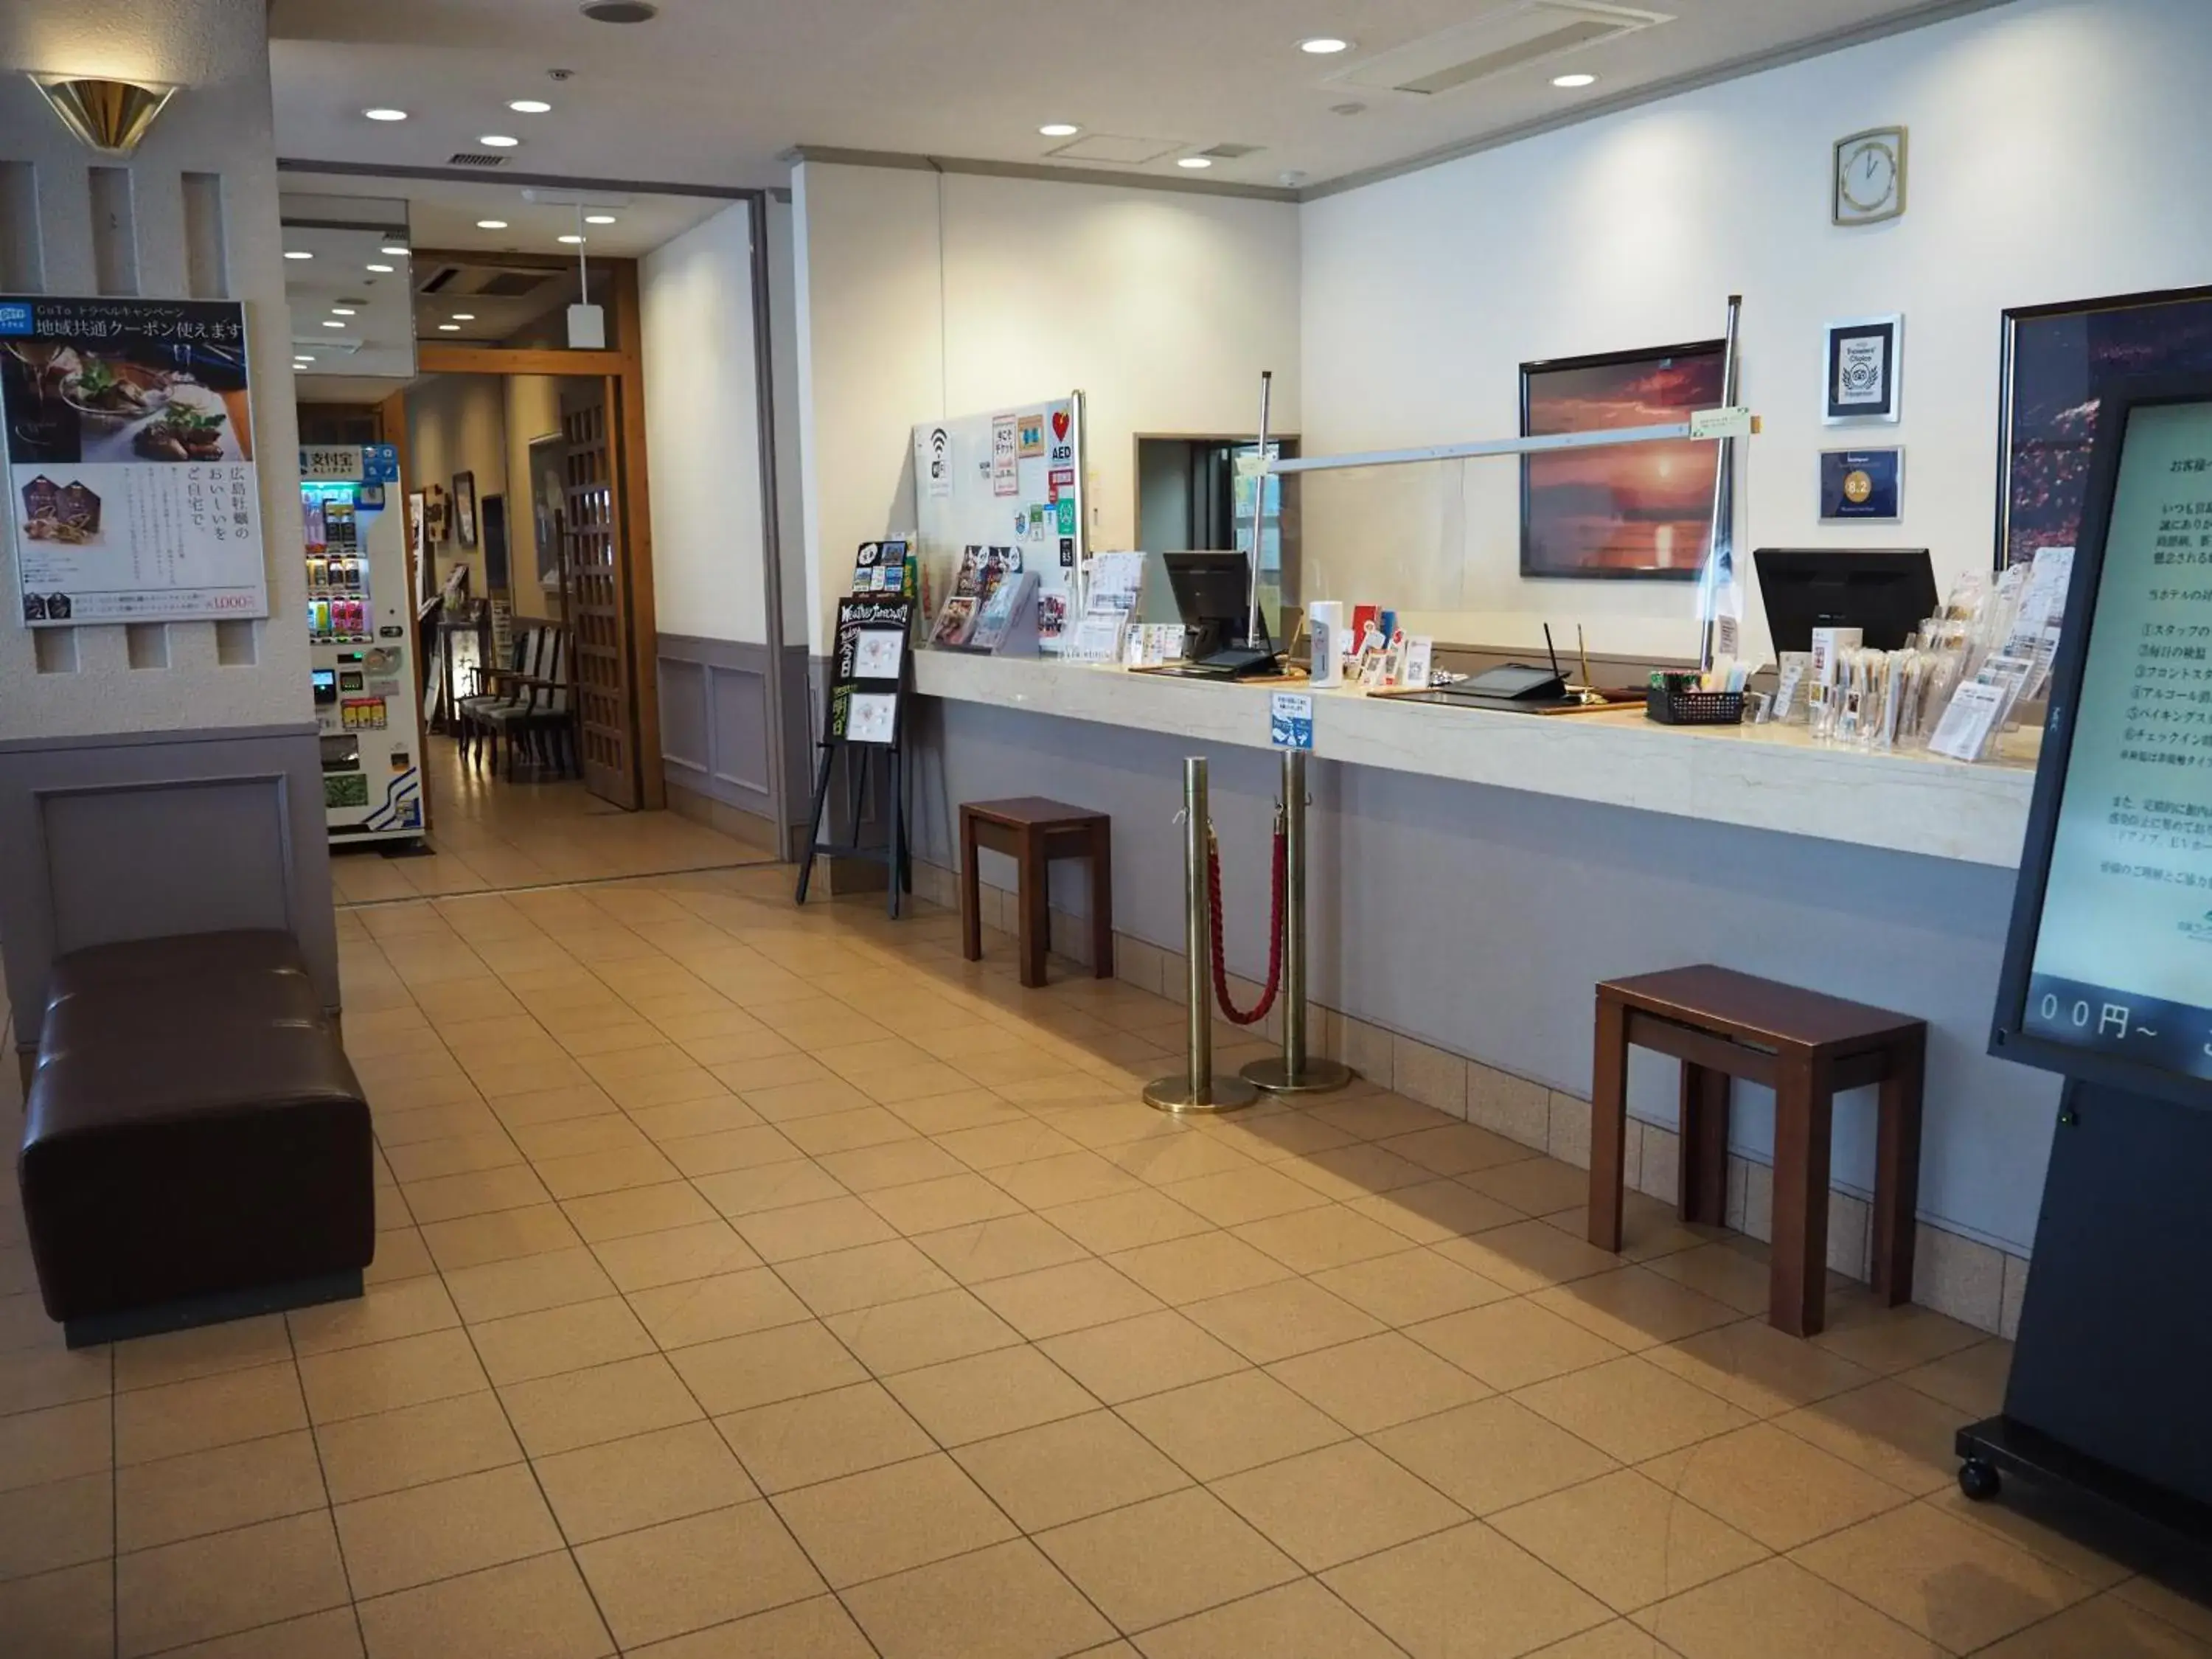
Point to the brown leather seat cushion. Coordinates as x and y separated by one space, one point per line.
193 1127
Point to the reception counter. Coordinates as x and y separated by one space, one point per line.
1474 874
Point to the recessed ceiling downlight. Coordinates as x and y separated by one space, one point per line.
1324 45
529 107
1060 128
397 250
619 11
329 324
571 239
498 141
449 328
465 316
386 113
297 253
491 224
1195 163
598 218
381 271
1573 82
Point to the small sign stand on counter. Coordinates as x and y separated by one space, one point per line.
866 722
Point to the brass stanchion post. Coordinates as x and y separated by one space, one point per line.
1197 1089
1296 1072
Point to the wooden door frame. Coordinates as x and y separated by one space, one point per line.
621 371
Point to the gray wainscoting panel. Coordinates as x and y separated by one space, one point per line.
134 836
715 735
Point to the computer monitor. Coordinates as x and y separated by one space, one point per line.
1885 592
1213 591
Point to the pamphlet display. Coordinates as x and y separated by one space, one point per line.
132 487
1008 482
1113 587
870 670
865 724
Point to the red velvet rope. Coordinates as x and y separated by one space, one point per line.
1274 934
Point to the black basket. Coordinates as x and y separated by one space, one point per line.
1694 707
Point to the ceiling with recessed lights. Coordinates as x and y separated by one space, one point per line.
715 92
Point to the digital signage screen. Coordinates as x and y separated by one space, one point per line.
2108 975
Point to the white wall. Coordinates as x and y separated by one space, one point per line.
702 426
218 124
2058 153
924 296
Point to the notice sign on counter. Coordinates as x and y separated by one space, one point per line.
2121 961
131 484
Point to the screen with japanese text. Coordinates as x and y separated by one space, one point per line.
2122 962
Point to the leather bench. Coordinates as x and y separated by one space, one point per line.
196 1146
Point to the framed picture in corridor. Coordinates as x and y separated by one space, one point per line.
1642 511
2047 417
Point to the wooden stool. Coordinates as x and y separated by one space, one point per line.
1804 1045
1034 831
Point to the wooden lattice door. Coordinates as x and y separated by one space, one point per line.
599 597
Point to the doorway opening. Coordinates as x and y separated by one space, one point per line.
1195 494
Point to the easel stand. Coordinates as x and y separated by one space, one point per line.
895 853
2105 1405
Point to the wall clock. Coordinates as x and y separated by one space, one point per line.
1869 177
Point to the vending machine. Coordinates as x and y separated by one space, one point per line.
360 604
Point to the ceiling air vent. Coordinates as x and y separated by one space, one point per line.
1230 152
1504 38
474 158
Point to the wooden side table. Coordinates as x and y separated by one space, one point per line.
1034 832
1804 1045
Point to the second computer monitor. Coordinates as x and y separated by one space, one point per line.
1886 592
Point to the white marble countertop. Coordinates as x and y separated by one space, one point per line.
1764 777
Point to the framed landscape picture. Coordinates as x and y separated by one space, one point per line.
2054 355
1639 511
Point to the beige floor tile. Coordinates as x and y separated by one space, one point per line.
1185 1270
783 1363
1971 1380
556 1339
893 1163
400 1253
1890 1340
1164 1161
1378 1382
1350 1173
814 1229
446 1198
1778 1489
1634 1308
362 1456
634 1210
994 1145
794 1103
1006 1602
1457 1149
822 1437
1533 1186
534 1610
728 1304
383 1312
867 1127
410 1537
69 1614
603 1132
1409 1286
1000 1248
461 1154
1125 1221
205 1491
2107 1627
1230 1424
236 1345
928 1330
502 1235
1528 1255
589 1173
1892 1432
531 1284
988 1393
889 1520
609 1402
227 1582
842 1280
749 1147
1147 1355
57 1444
686 1118
738 1193
1054 1300
1751 1364
1510 1345
1060 1472
1960 1586
1626 1540
621 1486
644 1261
1312 1240
63 1523
1274 1322
331 1634
1631 1410
2033 1526
1300 1620
1724 1271
1069 1178
1326 1507
384 1376
559 1104
1434 1212
816 1629
210 1411
1165 1559
934 1206
1492 1454
1777 1608
1466 1593
970 1109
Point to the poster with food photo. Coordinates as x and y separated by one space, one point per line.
132 487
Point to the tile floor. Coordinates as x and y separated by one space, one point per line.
754 1282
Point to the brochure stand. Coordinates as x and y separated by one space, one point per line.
866 727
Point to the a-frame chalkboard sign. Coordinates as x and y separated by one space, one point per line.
865 726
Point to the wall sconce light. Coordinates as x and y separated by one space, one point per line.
110 115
